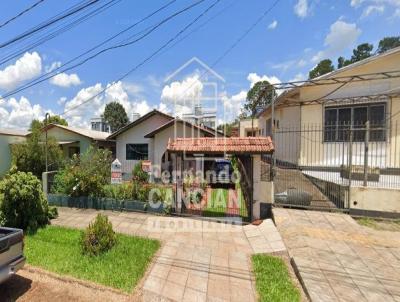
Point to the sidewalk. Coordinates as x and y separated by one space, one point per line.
199 260
339 260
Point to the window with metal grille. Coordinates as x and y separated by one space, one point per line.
339 121
137 151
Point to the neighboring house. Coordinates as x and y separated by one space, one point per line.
247 128
171 130
312 126
306 107
77 140
99 124
9 137
131 144
147 137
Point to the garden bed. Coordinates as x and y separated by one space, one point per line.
273 281
57 249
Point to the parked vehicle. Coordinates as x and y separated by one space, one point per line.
223 171
11 252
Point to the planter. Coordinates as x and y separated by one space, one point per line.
134 205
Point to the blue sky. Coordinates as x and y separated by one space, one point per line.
284 46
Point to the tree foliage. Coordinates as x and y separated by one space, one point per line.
53 119
362 52
323 67
85 175
23 204
115 115
30 156
388 43
259 96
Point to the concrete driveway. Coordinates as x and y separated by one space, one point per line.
339 260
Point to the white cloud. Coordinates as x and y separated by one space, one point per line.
62 100
254 78
273 25
52 66
298 77
18 114
377 6
65 80
25 68
185 92
232 106
80 116
372 9
302 9
341 36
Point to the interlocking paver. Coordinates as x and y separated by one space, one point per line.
340 260
208 262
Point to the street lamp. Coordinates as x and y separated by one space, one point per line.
47 119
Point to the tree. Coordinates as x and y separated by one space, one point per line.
388 43
362 52
258 97
115 115
342 62
31 155
53 119
323 67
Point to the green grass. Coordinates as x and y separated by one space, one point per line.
216 207
57 249
273 281
381 225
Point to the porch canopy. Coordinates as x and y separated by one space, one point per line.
218 145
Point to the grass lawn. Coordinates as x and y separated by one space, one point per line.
380 225
217 206
57 249
273 281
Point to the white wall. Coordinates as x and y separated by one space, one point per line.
160 140
375 199
135 135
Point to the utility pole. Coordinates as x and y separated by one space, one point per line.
47 118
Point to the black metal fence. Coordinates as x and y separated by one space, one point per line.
315 165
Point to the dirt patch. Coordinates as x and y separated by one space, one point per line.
35 285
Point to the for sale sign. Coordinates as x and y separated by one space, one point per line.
146 166
116 172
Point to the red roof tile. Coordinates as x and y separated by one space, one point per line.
241 145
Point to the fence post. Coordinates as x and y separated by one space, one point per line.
366 153
350 159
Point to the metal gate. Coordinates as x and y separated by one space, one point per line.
316 166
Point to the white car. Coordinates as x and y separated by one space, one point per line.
11 252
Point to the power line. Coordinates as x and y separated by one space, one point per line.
49 23
146 59
229 49
153 28
58 30
21 13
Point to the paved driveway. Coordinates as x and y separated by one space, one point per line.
199 260
339 260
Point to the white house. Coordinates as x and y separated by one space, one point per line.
147 137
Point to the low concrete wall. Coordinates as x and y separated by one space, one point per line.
375 199
263 191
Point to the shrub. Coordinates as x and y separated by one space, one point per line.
98 237
138 174
85 175
119 192
23 203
